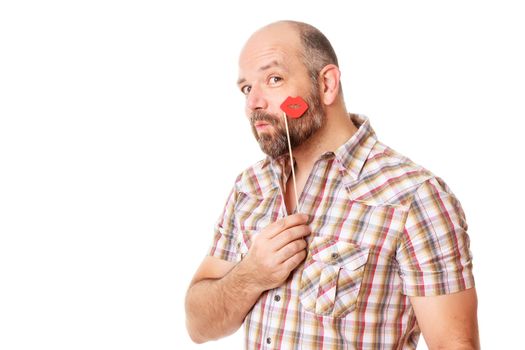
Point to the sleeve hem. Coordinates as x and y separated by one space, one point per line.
428 291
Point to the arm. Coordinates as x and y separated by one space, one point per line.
218 299
435 265
448 321
222 293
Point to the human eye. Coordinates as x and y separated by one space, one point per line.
246 89
274 80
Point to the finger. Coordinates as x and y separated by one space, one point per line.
290 235
285 223
295 260
290 250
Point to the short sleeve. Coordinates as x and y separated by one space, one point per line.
225 231
434 254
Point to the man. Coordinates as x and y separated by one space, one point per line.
377 251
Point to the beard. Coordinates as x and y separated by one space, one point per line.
275 143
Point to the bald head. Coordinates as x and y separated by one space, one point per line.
314 49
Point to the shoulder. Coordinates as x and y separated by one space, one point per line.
256 179
389 177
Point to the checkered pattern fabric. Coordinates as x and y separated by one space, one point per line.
383 229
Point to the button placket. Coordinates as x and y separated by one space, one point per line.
240 249
276 298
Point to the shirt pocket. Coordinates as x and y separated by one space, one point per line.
332 275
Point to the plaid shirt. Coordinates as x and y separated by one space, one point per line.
383 229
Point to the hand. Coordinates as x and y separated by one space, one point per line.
276 251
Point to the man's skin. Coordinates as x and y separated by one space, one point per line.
222 293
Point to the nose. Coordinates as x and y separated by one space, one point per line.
256 100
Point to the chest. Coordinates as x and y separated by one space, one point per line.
326 197
292 191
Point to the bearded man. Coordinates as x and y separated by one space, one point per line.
374 253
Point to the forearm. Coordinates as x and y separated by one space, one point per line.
217 307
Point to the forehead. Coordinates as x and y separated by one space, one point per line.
270 47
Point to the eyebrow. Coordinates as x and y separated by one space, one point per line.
262 69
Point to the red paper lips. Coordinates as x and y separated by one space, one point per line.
294 107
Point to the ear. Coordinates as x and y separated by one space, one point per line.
329 79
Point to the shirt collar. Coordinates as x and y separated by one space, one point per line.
350 156
353 154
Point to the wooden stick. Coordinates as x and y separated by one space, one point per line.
291 162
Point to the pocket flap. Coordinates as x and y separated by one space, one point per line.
335 252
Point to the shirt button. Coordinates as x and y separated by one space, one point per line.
268 340
277 297
335 256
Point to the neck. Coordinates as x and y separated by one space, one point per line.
337 129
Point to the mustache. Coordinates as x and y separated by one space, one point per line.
260 116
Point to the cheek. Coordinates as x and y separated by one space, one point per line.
274 98
247 110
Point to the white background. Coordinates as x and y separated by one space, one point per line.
122 131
